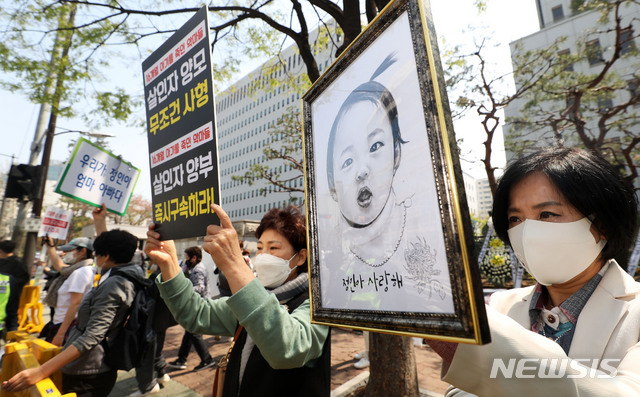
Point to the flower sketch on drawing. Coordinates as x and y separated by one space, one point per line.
420 263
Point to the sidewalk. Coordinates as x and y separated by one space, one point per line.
344 344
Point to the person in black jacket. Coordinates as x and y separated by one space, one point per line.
19 276
151 374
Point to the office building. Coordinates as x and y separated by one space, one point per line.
582 30
478 194
245 113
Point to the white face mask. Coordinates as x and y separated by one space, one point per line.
554 253
69 258
272 271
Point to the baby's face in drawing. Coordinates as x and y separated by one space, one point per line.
363 162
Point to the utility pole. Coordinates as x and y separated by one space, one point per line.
36 145
4 200
59 59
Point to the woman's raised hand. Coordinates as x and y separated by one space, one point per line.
162 253
221 242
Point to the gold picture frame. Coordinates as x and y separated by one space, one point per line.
391 245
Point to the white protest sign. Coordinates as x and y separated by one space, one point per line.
94 176
55 223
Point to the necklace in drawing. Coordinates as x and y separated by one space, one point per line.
397 245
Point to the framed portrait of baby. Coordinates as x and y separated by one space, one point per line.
390 239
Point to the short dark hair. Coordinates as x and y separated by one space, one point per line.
118 244
194 251
588 182
7 246
289 222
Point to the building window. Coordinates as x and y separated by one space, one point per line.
594 52
632 87
626 41
570 100
563 57
605 104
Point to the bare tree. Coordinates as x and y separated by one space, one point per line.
595 110
483 91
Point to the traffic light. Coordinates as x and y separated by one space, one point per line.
24 180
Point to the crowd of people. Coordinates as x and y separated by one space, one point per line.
566 213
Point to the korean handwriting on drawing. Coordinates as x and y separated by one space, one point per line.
375 281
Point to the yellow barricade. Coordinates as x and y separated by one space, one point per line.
30 354
18 336
30 310
43 351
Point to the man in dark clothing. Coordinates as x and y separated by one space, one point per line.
197 274
19 276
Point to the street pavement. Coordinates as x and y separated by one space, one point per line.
344 344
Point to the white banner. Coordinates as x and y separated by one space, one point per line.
95 176
55 223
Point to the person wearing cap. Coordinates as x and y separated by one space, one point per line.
66 291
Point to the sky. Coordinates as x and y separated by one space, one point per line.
504 21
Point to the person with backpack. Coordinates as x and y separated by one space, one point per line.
151 373
101 315
141 341
195 271
277 351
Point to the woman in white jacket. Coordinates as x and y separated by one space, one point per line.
567 215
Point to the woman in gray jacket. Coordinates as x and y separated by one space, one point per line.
100 314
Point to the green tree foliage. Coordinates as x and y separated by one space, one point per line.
44 45
241 29
475 83
593 107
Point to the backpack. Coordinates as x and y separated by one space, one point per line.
135 336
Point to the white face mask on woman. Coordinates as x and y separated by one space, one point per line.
271 270
554 253
69 258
